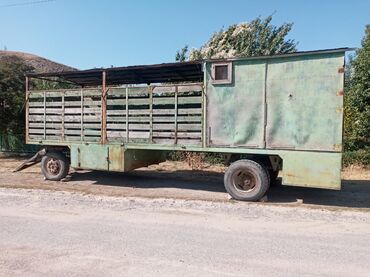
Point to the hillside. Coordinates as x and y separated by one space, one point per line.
40 64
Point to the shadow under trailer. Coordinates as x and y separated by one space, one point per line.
268 114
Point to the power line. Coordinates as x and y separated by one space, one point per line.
25 3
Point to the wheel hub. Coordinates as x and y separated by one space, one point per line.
53 166
244 181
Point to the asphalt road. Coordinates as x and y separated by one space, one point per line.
59 233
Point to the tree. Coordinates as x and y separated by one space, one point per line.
357 98
181 55
256 38
12 95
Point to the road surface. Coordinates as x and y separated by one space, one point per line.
60 233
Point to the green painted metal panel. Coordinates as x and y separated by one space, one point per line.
304 102
312 169
112 157
91 156
235 111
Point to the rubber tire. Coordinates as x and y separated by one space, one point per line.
263 182
63 162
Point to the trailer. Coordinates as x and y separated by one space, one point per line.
266 114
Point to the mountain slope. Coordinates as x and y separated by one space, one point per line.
41 65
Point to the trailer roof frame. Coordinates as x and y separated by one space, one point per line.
189 71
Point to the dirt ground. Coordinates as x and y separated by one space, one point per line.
177 180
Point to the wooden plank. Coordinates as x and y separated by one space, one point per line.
121 126
163 126
156 101
44 132
179 135
48 125
180 111
156 135
67 118
86 132
68 93
179 118
181 89
165 141
156 119
41 137
86 125
133 134
158 111
89 103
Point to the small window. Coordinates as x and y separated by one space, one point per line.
221 73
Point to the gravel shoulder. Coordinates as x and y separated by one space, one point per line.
61 233
169 220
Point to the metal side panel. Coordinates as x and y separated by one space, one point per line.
97 157
235 112
312 169
91 156
305 103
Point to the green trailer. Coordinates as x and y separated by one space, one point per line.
267 114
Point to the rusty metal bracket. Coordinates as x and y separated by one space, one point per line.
32 161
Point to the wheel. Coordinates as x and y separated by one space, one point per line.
246 180
54 166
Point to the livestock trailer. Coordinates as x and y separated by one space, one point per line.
267 114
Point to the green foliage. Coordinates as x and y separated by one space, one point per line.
357 99
181 55
359 157
256 38
12 95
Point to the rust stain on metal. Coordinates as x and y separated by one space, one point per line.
337 147
339 109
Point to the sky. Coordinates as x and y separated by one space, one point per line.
102 33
